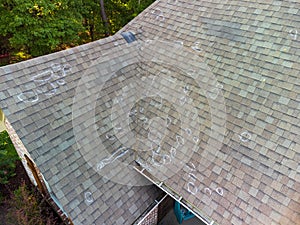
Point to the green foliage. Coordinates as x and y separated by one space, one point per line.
32 28
40 27
23 208
92 22
8 157
120 12
26 209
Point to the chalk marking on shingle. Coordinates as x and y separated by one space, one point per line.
293 33
158 15
220 191
88 197
245 136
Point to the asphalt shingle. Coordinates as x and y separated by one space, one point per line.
246 173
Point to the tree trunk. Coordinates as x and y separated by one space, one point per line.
92 31
104 18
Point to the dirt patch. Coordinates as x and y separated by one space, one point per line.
3 212
14 183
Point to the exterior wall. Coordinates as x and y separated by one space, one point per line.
151 218
20 148
157 212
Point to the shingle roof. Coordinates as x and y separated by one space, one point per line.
43 121
223 76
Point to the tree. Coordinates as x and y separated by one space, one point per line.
31 28
92 22
120 12
104 18
40 27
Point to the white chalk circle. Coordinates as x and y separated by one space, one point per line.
207 191
56 67
88 197
196 139
214 93
191 188
173 152
110 137
158 15
245 136
220 191
61 82
43 77
67 69
294 34
28 96
172 1
196 47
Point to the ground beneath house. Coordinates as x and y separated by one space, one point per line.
6 193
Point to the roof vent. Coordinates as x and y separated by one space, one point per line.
128 36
